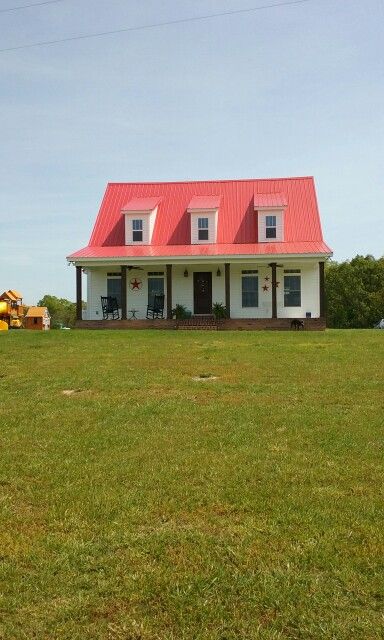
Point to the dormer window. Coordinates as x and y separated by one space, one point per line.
270 227
140 216
137 231
203 228
270 208
204 214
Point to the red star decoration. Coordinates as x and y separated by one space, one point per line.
265 288
135 284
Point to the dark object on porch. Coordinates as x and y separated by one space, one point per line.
297 324
110 308
156 309
180 312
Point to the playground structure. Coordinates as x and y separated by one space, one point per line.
11 310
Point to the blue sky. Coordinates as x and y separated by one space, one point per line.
294 90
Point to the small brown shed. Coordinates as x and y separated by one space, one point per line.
37 318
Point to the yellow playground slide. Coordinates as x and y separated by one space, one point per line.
3 307
3 311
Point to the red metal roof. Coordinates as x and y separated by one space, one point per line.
264 248
204 202
237 219
270 200
141 204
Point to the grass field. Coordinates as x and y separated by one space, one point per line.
148 505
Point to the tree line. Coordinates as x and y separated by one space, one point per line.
354 292
62 311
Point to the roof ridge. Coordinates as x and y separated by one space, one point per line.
216 181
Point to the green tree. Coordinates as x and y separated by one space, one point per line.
355 292
62 311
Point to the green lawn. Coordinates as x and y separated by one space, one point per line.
148 505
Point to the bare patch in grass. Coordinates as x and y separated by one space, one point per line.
204 377
71 392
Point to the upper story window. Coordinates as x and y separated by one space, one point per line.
204 215
203 229
137 230
140 217
270 209
270 226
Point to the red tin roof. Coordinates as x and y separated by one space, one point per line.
141 204
237 219
278 200
204 202
207 250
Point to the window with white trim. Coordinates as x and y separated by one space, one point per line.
249 288
292 288
137 230
155 285
270 226
203 229
114 288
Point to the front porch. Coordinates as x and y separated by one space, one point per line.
232 324
256 295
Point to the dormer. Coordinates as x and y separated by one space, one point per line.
270 209
204 216
140 216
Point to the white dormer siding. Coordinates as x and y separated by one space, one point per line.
271 225
203 227
136 219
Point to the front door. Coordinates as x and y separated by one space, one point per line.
202 292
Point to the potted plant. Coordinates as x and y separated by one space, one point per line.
180 312
219 311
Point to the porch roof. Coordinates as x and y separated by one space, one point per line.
207 250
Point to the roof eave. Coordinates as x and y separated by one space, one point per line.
263 257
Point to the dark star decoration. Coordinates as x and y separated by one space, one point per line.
265 287
135 284
277 284
266 278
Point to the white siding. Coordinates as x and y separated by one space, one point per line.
237 310
212 226
96 287
279 226
310 295
152 220
182 289
309 292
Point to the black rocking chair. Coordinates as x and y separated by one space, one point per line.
110 308
156 309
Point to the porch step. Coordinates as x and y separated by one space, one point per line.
195 323
198 327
